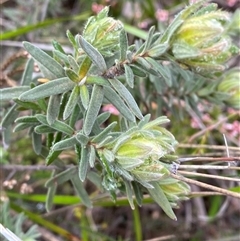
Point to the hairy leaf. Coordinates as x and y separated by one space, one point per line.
126 95
45 60
61 177
7 94
53 108
123 41
72 101
116 100
93 54
93 109
158 195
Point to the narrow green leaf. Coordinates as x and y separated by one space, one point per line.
37 142
52 156
143 63
27 74
25 105
138 193
109 156
126 95
10 93
61 177
72 101
72 40
159 197
162 70
84 95
84 67
104 133
45 60
138 71
92 156
129 75
10 117
75 116
53 108
42 104
53 87
104 142
60 58
158 50
148 40
123 42
22 126
58 46
83 163
64 144
116 100
73 63
93 109
93 54
49 140
64 100
82 193
57 125
72 75
124 173
144 120
129 193
50 195
97 80
82 139
27 119
169 32
103 117
43 129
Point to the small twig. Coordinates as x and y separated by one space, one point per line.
202 194
213 147
207 186
215 159
209 176
208 167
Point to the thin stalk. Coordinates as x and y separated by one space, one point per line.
137 224
202 194
213 147
207 186
219 159
208 167
209 176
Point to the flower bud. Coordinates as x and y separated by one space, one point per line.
230 85
139 152
201 41
103 33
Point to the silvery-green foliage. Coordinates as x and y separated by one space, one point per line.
135 153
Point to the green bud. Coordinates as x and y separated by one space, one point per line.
140 151
230 85
201 41
103 33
